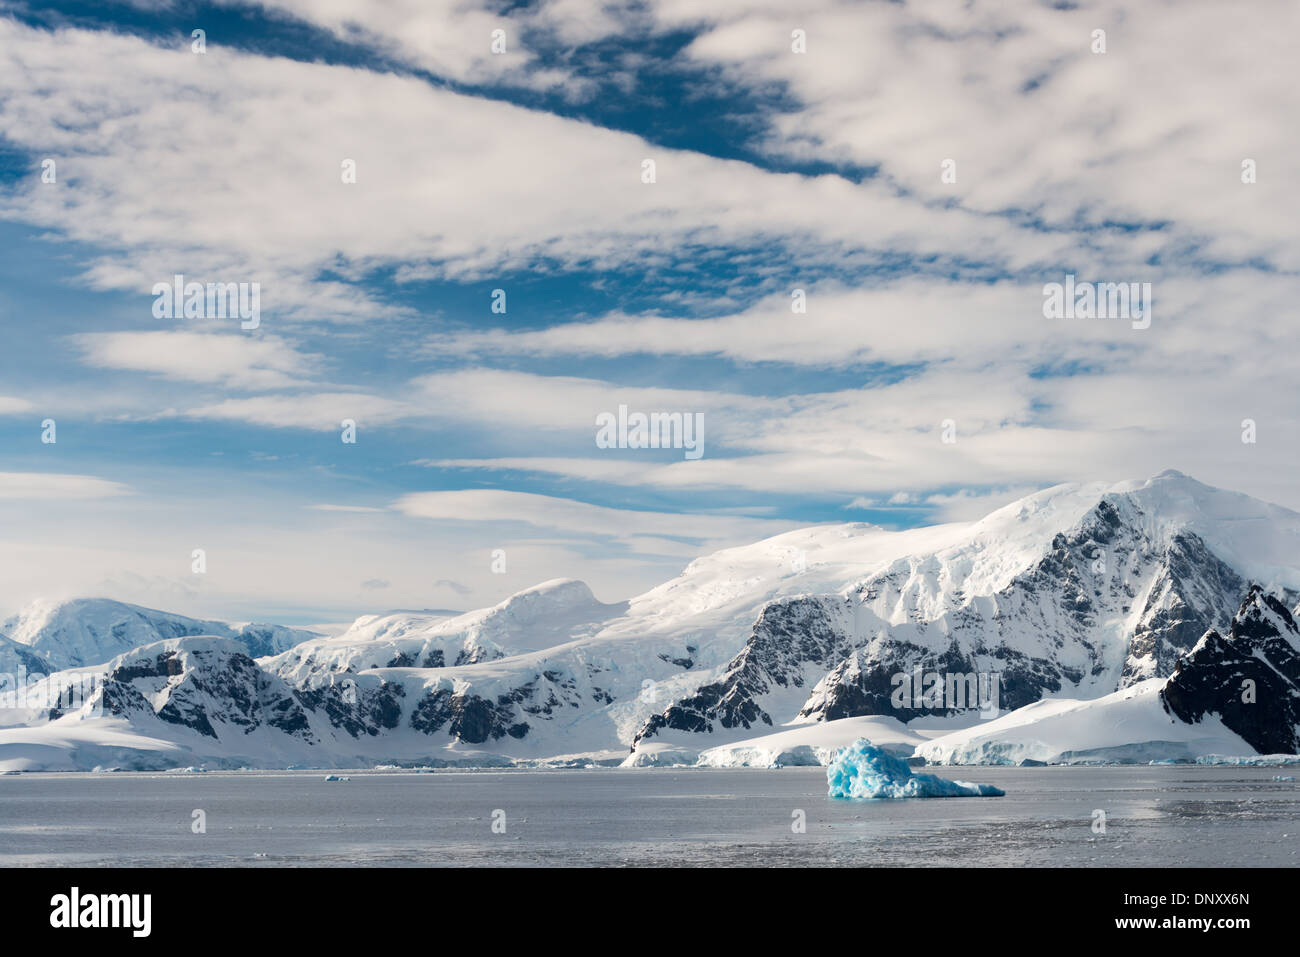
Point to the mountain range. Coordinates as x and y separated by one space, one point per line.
1116 622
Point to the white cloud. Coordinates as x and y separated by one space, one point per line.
233 360
962 505
447 184
1155 129
318 411
1195 320
453 39
54 486
904 322
12 405
521 400
244 151
584 519
270 559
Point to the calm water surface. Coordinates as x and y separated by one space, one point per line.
1155 816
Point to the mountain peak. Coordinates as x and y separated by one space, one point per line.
1263 616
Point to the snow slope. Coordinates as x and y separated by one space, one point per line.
1128 725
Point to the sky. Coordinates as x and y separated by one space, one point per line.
838 267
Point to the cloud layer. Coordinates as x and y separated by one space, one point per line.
856 328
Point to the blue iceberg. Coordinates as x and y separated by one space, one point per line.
862 770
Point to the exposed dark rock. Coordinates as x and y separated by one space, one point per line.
787 635
1201 592
469 718
204 687
355 708
1250 678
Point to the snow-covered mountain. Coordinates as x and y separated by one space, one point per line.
1105 605
90 631
1233 694
1071 596
1072 592
548 614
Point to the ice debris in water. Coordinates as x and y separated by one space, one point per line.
862 770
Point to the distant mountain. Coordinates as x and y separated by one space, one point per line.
544 615
1080 598
90 631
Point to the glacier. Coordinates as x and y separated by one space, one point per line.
863 771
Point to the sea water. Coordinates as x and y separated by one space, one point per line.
1164 816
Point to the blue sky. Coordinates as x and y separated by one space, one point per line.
776 170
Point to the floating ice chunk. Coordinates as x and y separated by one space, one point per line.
864 771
